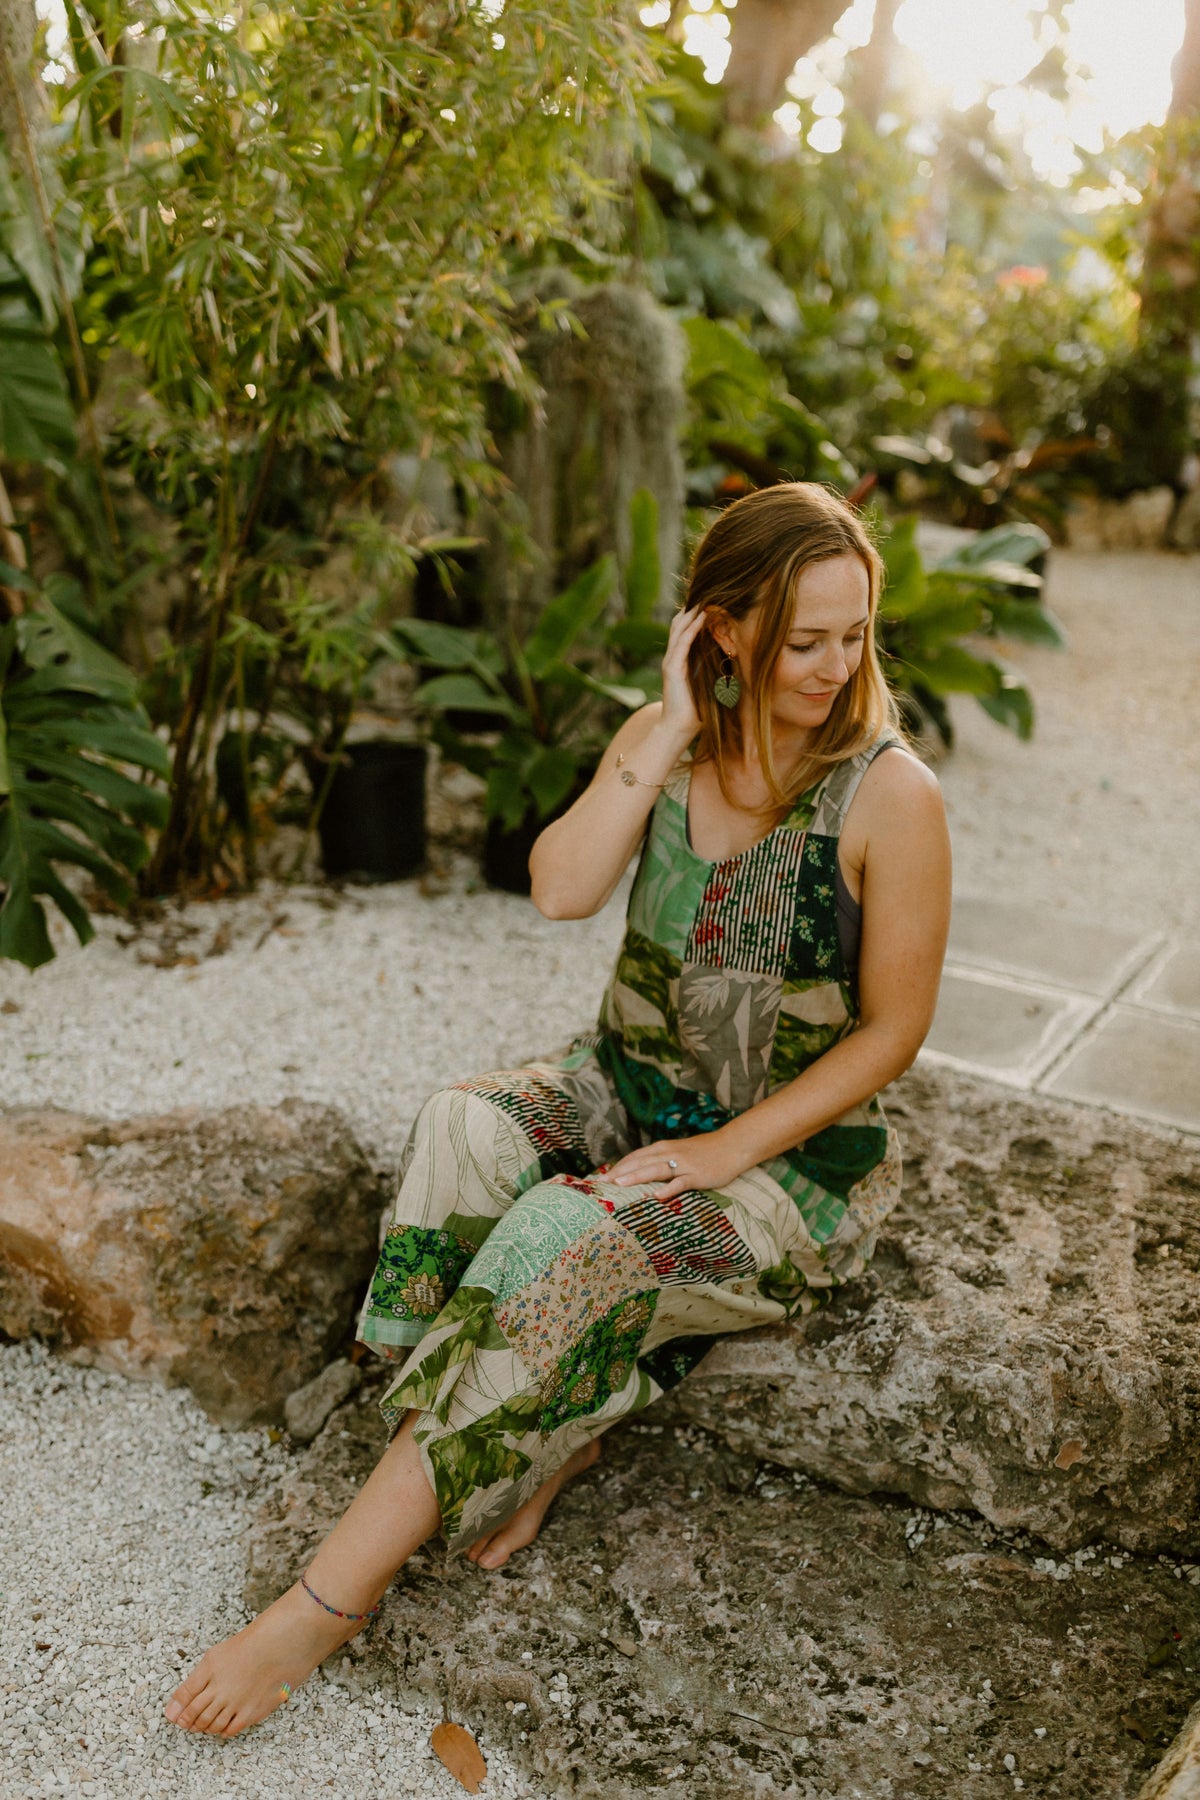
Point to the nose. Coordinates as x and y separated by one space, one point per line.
834 667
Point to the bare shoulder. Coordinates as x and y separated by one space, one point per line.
898 789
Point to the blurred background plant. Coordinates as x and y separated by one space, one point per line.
329 326
279 273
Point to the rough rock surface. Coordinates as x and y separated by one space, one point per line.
223 1250
696 1625
1139 522
1185 526
305 1411
1027 1342
1178 1775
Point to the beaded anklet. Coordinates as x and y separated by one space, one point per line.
355 1618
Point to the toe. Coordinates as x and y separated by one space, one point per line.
190 1715
210 1715
186 1693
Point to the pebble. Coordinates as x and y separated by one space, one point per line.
117 1575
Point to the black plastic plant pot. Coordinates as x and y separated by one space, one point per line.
506 852
372 826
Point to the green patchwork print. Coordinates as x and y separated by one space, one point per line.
416 1271
660 1108
643 990
670 881
799 1041
840 1155
477 1456
669 1363
547 1221
815 953
788 1285
821 1211
599 1364
464 1325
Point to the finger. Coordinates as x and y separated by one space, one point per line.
685 622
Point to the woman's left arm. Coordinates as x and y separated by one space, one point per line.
903 848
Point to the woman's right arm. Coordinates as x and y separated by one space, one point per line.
578 860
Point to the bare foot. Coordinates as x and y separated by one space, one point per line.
239 1682
494 1550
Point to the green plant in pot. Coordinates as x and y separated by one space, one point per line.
555 697
985 589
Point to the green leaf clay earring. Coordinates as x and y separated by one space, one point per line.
727 687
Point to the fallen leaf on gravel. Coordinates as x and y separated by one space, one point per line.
1136 1726
454 1746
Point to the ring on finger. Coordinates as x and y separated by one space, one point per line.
672 1164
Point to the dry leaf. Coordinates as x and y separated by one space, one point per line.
454 1746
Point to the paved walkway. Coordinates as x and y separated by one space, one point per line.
1074 964
1065 1007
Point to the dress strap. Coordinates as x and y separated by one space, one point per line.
841 784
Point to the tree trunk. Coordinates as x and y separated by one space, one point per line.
21 90
768 38
872 66
1170 283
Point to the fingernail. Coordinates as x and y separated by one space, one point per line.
173 1710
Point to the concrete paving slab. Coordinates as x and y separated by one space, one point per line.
1044 945
998 1026
1173 983
1137 1061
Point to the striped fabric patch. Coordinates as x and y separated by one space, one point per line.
547 1116
687 1238
744 920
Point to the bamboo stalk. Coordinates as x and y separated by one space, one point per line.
66 306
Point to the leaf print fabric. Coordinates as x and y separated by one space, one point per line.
535 1300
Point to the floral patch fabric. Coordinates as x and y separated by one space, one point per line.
533 1301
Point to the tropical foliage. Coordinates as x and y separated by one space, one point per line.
285 251
71 729
556 697
985 589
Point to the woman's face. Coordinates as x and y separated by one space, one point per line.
830 620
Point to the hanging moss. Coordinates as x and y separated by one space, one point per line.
607 424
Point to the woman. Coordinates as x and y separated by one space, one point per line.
570 1237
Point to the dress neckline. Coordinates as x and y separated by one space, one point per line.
712 862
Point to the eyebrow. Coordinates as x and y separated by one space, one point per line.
816 630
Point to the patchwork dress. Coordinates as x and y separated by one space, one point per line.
534 1301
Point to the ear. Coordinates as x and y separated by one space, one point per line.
718 626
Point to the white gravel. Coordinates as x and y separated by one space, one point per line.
367 1001
120 1546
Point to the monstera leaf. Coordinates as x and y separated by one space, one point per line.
71 730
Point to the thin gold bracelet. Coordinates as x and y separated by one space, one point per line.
632 780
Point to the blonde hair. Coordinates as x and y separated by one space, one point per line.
749 562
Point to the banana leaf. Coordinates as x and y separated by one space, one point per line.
66 796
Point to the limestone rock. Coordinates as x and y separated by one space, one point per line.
1026 1343
1138 522
307 1409
225 1250
700 1626
1185 526
1177 1777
